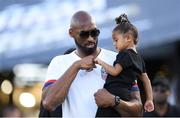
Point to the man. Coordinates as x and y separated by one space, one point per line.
161 92
74 81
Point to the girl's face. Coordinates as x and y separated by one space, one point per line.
119 41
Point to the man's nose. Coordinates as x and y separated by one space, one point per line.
90 38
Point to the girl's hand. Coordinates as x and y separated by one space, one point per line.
97 61
149 106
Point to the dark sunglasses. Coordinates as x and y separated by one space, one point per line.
93 33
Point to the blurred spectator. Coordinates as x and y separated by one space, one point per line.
11 111
161 92
69 50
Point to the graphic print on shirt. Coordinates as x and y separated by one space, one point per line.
103 73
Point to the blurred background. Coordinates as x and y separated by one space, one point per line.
32 32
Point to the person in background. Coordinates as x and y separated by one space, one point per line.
161 92
68 51
11 111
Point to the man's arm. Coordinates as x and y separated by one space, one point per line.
56 93
131 108
105 99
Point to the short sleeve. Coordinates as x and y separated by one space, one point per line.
124 59
53 72
135 86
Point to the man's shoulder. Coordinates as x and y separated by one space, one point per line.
62 57
107 55
110 52
58 57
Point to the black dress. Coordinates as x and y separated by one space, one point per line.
120 85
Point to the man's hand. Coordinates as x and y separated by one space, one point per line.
87 63
104 98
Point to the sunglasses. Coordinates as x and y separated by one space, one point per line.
93 33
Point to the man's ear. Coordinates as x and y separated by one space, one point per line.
71 32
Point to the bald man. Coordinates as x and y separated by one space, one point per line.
74 80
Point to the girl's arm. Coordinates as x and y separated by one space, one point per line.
112 70
148 106
147 86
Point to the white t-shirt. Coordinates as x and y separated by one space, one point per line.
80 100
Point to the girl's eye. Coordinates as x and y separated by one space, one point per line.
115 40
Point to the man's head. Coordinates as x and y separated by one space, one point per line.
161 90
84 31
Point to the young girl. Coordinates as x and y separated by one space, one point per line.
127 68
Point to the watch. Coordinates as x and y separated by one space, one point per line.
117 101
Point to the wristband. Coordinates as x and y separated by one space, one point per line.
117 101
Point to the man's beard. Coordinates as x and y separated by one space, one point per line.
85 50
160 102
